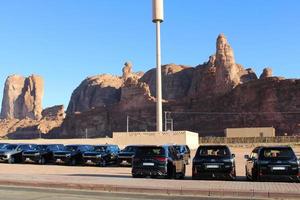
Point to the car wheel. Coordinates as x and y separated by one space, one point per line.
170 170
73 162
42 161
103 163
182 175
11 160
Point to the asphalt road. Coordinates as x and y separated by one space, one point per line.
27 193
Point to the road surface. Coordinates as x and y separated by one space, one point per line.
27 193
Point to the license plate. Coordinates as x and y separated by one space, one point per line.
124 162
27 159
278 168
58 160
148 164
212 166
89 161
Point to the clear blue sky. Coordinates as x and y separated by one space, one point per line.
67 40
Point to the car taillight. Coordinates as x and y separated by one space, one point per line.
160 159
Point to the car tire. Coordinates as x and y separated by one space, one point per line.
42 161
11 160
73 162
182 174
103 163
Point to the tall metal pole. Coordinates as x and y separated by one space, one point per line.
127 124
158 81
157 19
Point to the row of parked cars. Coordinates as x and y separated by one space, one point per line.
100 155
210 161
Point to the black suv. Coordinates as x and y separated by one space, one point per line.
276 163
157 161
126 155
185 152
12 153
71 154
214 161
101 155
42 154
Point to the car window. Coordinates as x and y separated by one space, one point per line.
173 152
42 147
213 151
10 147
151 151
71 148
28 147
100 148
273 153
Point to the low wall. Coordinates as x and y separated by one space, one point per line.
157 138
93 141
249 140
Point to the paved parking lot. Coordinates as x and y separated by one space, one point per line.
118 179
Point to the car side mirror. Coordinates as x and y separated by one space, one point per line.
233 155
247 157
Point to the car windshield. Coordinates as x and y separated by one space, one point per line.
274 153
55 147
129 149
28 147
151 151
100 148
10 147
42 147
71 148
214 151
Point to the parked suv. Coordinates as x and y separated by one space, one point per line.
157 161
101 155
185 152
278 162
71 154
214 161
42 154
126 155
12 153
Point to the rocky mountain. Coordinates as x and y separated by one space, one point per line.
22 97
207 98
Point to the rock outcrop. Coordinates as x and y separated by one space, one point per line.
22 97
176 81
229 74
95 91
267 72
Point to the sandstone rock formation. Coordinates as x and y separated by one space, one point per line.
227 71
95 91
135 94
267 72
206 99
22 97
54 112
176 80
218 86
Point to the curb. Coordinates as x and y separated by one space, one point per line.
156 191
